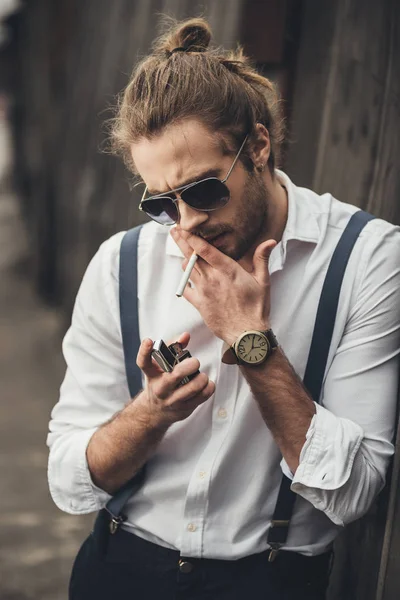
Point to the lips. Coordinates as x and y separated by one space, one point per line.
217 239
212 239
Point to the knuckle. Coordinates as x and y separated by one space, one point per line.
202 397
176 376
160 390
202 380
196 364
197 384
203 248
205 251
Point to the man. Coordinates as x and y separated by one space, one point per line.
215 448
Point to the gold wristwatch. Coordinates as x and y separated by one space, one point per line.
253 347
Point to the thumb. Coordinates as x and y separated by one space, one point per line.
261 260
183 339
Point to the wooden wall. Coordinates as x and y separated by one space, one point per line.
346 110
345 140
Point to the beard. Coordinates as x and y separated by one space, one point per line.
249 221
251 218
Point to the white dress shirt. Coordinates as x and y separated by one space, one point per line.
212 484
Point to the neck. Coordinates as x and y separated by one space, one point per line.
276 219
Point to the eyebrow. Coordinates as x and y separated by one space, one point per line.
204 175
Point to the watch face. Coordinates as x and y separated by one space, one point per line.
252 348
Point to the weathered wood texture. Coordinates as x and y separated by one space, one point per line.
345 140
72 58
346 109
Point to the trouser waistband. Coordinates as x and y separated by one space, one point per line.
125 546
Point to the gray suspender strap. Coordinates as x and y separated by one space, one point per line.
128 305
317 359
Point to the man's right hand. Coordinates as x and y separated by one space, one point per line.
164 400
119 448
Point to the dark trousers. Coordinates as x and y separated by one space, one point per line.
128 567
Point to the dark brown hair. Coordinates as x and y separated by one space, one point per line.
185 79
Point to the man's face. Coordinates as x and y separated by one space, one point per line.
189 152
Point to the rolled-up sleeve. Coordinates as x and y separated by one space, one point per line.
94 387
348 445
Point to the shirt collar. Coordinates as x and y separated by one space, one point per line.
301 224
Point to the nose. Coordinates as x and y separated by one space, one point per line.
189 218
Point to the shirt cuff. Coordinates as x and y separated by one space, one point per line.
328 454
100 496
70 481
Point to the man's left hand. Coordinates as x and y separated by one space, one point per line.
230 299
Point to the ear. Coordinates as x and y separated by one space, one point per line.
261 147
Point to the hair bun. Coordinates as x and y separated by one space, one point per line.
192 35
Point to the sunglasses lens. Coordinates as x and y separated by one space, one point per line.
161 209
209 194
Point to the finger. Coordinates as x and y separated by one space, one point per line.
167 384
261 261
144 360
199 386
187 367
184 246
195 274
183 339
191 295
184 407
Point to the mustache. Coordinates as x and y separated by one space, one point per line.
212 233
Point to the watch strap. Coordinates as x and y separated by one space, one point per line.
273 342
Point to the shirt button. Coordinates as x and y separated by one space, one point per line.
202 474
191 527
222 413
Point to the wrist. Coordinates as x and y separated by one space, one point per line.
232 336
252 347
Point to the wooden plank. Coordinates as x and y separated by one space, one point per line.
388 580
346 123
317 30
263 29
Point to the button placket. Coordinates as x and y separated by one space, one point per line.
197 493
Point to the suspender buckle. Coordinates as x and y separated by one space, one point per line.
115 524
273 552
276 546
280 523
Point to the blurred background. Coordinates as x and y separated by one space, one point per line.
337 64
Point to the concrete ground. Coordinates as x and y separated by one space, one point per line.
37 541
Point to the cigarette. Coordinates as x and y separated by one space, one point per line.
186 275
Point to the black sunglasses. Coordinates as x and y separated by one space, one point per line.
204 195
